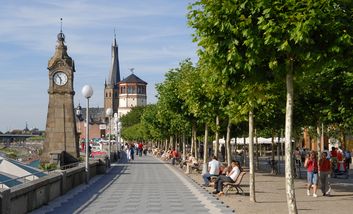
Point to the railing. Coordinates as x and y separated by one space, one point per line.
68 166
24 179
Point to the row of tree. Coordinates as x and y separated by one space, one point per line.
252 56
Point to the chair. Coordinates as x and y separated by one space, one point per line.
230 185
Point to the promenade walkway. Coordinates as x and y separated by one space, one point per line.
145 185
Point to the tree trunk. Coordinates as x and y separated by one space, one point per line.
257 151
184 148
205 150
291 200
343 138
251 158
194 143
216 148
229 155
166 145
171 142
244 151
318 140
273 152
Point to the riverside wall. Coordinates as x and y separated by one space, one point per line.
26 197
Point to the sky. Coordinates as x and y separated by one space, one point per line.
152 35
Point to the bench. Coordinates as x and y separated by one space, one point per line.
227 186
197 168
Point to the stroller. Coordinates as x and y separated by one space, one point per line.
339 168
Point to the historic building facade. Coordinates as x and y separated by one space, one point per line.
120 95
132 93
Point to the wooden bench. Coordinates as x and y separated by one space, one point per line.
227 186
197 168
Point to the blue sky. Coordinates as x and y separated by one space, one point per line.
152 35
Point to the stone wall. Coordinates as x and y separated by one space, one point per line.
32 195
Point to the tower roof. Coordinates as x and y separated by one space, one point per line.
61 53
133 79
114 73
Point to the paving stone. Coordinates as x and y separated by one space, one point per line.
145 185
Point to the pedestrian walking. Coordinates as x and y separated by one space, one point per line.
324 170
127 151
140 148
312 172
132 152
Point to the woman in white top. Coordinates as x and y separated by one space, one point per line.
230 177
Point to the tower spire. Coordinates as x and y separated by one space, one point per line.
114 73
114 43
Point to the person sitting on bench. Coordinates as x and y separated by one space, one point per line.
191 162
213 167
230 177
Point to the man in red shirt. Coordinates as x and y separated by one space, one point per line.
174 156
325 170
140 148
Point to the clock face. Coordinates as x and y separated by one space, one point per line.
60 78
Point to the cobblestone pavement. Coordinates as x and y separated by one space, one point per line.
145 185
271 196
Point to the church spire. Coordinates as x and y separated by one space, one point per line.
114 73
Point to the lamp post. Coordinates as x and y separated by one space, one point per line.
87 92
116 120
119 132
79 117
109 113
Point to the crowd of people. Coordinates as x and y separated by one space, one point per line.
134 148
318 169
332 162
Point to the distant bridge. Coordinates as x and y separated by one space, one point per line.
15 137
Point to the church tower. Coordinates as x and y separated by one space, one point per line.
111 89
60 134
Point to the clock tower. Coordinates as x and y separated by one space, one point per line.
60 136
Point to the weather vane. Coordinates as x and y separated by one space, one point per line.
132 70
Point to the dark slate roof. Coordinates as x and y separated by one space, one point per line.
96 115
133 79
114 73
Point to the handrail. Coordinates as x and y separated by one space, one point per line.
71 165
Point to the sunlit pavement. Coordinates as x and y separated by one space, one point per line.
145 185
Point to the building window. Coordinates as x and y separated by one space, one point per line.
106 94
123 90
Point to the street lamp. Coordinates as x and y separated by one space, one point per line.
87 92
109 113
119 131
